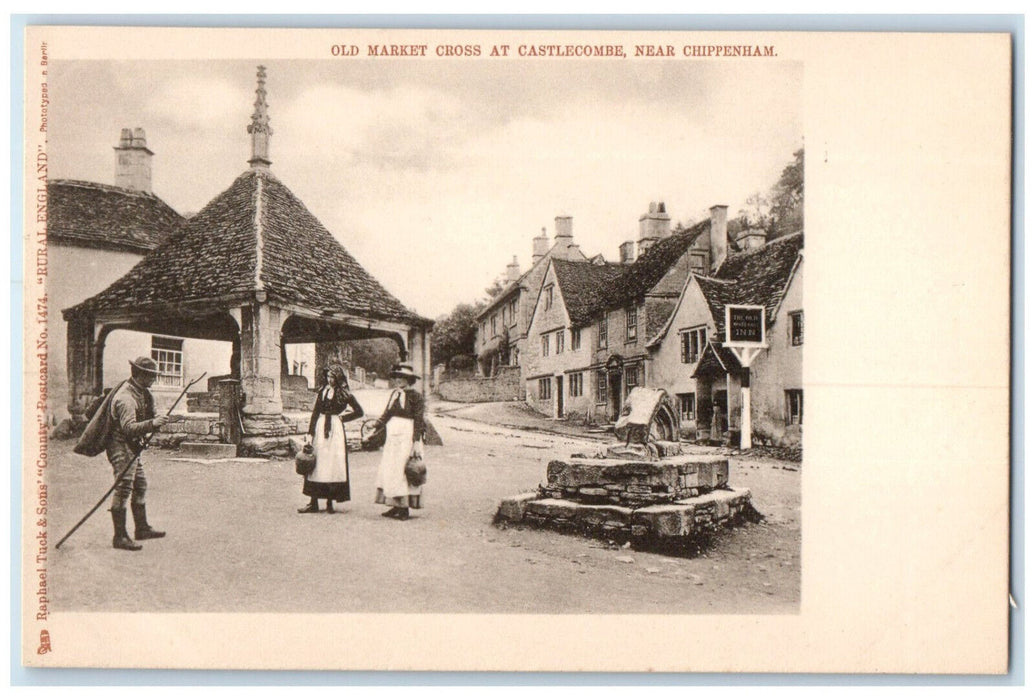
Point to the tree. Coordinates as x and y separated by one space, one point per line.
788 198
454 333
375 355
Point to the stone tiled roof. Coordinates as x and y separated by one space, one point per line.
716 361
759 276
254 236
649 268
92 215
582 284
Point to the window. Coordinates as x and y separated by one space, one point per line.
546 345
575 384
576 338
560 342
513 312
548 297
602 386
630 323
688 407
632 379
168 353
797 327
494 325
516 356
545 388
795 405
692 344
602 332
697 264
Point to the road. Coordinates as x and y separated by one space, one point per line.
237 544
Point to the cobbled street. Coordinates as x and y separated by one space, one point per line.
237 544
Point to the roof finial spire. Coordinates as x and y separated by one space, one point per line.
260 126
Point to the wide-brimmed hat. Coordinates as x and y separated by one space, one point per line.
145 364
403 371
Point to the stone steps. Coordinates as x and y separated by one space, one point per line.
684 519
207 450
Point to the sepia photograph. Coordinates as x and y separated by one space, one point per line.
425 328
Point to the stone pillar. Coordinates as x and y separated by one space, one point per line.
260 359
80 366
420 357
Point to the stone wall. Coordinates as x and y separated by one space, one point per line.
505 386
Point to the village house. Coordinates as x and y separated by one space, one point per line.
501 328
96 233
559 350
639 302
689 361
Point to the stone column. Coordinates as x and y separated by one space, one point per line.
419 356
260 359
80 361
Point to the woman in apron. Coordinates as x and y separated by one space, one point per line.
403 421
335 406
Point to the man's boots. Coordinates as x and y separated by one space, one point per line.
143 530
121 539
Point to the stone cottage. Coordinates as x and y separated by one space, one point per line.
559 351
637 304
95 234
502 328
689 359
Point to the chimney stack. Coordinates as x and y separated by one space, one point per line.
133 161
562 231
540 246
751 238
627 252
260 126
654 225
717 235
513 270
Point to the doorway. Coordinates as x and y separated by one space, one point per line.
560 396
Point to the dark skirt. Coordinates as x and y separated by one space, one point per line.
336 491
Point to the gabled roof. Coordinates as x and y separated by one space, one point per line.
760 277
524 280
257 235
649 268
92 215
581 285
716 360
761 274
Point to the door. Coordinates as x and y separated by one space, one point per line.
560 396
614 387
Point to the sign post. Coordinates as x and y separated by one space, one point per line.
745 337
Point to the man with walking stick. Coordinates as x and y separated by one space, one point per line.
133 417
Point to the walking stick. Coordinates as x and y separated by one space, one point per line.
133 461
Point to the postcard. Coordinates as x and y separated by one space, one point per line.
485 350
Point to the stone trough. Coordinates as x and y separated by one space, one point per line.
675 500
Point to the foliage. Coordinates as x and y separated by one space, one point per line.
781 212
375 355
454 333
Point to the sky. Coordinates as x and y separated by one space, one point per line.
434 174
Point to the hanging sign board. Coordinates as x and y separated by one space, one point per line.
745 326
